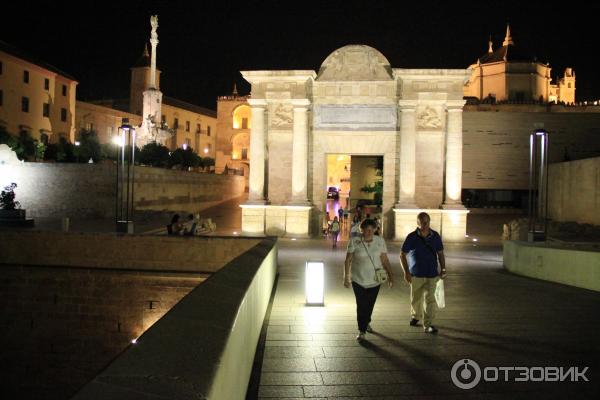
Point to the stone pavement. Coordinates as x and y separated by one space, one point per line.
492 317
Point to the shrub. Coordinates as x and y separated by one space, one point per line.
154 154
89 147
184 159
61 151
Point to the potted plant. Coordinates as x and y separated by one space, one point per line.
9 208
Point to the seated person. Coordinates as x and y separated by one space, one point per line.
175 227
189 228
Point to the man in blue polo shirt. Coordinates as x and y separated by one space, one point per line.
419 258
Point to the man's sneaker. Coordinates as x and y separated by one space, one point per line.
413 322
431 329
360 337
369 329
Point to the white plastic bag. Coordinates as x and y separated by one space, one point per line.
439 294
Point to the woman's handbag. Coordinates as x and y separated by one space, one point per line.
381 275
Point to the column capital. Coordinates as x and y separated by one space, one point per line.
455 105
300 103
407 105
257 102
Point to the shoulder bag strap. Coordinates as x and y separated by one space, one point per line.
428 246
369 254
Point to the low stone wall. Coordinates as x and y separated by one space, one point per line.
88 190
204 347
573 266
574 191
102 250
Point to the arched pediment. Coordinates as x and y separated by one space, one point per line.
355 63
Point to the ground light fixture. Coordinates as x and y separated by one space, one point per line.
315 283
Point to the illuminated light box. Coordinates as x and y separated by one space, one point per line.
315 283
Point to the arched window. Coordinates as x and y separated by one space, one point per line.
241 117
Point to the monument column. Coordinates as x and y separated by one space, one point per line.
408 148
300 153
454 147
257 152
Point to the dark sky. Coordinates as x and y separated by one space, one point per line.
204 44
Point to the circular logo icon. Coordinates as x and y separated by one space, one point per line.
466 373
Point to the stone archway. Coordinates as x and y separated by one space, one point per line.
356 104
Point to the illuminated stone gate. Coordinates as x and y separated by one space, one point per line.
357 104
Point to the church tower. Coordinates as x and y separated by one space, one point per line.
141 81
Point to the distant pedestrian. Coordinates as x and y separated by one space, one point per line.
423 261
366 255
340 214
334 231
346 214
355 228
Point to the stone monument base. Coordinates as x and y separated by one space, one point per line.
288 221
450 224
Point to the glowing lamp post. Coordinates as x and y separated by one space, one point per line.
315 283
125 177
538 185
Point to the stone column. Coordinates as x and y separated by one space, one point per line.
300 153
454 148
257 152
408 149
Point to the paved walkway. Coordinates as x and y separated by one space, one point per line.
492 317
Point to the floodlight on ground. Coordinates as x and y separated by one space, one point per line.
315 283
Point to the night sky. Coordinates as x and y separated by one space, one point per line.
204 45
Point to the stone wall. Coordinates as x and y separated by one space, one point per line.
62 326
72 302
204 347
88 190
574 191
496 141
121 252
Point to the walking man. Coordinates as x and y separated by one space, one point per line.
423 261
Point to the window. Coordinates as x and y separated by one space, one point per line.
244 154
208 131
46 110
198 128
109 131
209 147
25 104
64 90
46 84
569 85
26 76
89 126
187 126
163 119
63 114
44 138
176 123
244 123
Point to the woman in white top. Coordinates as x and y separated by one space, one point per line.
366 254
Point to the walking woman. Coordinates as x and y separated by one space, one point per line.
366 259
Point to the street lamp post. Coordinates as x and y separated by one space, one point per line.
125 178
538 185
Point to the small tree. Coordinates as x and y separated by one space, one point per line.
154 154
89 147
184 159
7 198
